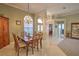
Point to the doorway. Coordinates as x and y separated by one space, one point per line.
50 29
61 29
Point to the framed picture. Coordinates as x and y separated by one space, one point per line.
18 22
75 30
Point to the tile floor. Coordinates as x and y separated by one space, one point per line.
50 48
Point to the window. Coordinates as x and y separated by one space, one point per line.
61 28
28 26
40 25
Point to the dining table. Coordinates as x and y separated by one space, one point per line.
27 41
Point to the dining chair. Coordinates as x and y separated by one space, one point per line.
29 43
35 43
40 38
18 44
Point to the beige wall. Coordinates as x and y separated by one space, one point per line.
13 14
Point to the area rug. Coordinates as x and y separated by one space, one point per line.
70 47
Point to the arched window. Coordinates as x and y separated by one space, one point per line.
40 25
28 26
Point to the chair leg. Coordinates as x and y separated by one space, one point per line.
40 43
15 48
32 48
27 50
17 52
37 46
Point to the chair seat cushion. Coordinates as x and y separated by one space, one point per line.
21 44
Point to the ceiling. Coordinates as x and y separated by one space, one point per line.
50 8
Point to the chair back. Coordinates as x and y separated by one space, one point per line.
15 40
40 35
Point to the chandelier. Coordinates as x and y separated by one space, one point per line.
28 19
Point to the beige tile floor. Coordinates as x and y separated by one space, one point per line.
49 49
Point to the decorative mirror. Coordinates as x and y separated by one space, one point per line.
18 22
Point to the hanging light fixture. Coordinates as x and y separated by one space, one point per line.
29 20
